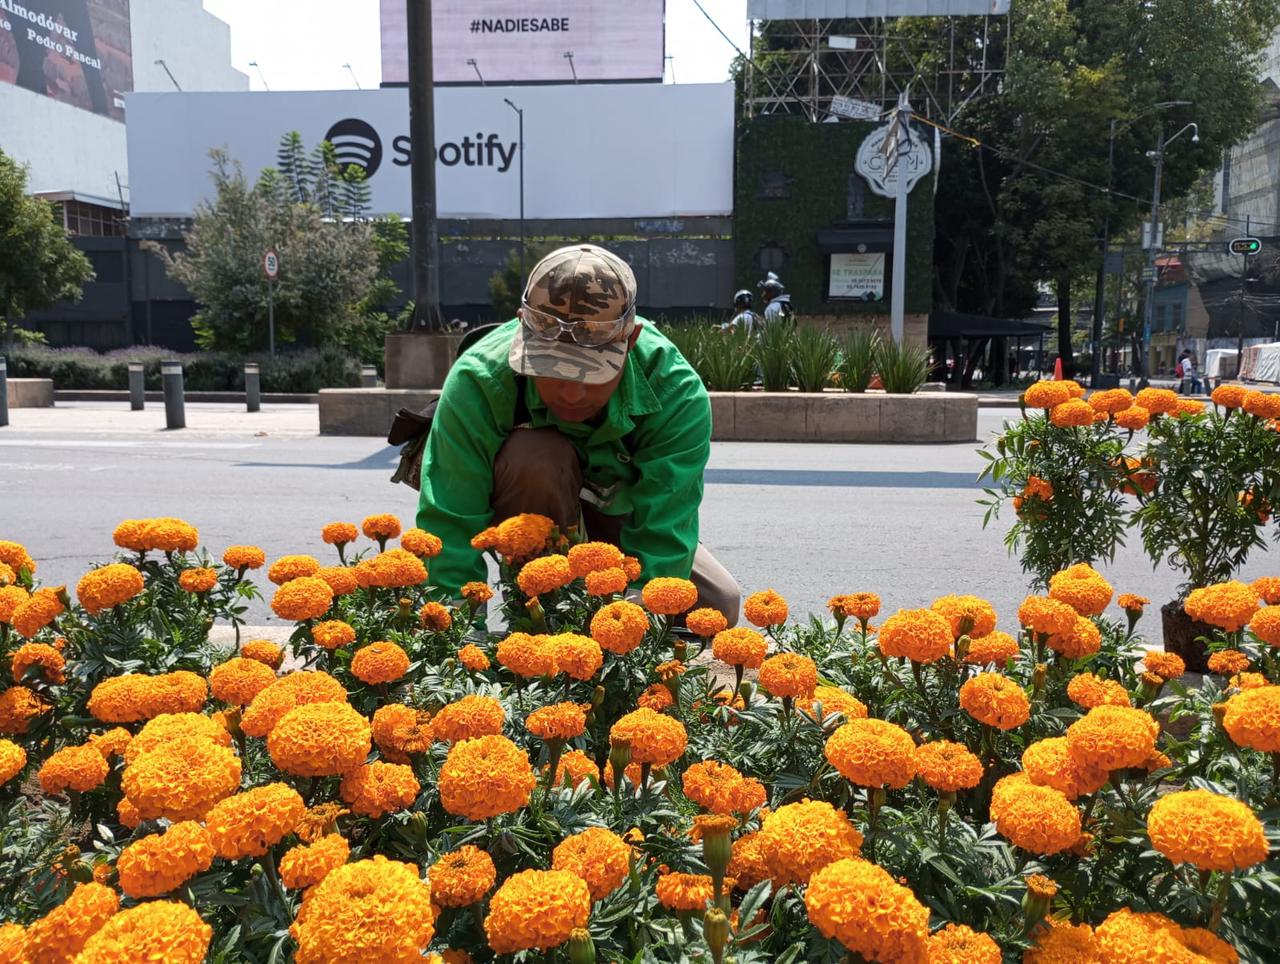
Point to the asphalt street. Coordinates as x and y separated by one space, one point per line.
807 520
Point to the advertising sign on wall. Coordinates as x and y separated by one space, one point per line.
859 277
636 150
513 41
77 51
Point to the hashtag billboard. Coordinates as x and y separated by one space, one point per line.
519 41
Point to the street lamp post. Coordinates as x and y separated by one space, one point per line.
520 115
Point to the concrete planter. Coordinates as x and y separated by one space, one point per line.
419 360
30 392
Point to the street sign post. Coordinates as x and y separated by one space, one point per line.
271 271
854 109
1245 246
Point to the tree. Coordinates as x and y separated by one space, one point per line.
315 216
39 266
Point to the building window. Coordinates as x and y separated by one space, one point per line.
90 220
1177 317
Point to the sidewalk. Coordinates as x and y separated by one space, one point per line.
204 420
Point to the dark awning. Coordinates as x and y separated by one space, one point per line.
957 324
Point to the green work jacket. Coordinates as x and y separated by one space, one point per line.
647 454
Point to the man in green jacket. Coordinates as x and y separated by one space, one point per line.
612 436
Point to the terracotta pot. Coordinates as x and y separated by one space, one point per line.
1181 634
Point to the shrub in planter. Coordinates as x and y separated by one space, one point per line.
814 353
728 364
903 367
773 353
858 354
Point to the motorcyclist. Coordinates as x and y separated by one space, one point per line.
777 303
744 318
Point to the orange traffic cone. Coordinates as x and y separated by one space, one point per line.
1057 369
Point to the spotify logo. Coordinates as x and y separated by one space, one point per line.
356 142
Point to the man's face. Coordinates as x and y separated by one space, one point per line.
572 401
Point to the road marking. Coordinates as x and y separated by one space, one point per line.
101 444
56 467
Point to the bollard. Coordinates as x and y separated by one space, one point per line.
4 392
174 405
252 387
368 376
137 387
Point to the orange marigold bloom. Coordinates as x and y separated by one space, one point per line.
558 721
544 574
198 580
301 599
392 569
63 932
1083 640
7 576
1046 394
1227 605
1060 942
589 557
11 597
473 658
319 740
383 526
13 759
684 892
1111 401
333 633
574 768
1252 718
341 579
599 856
1268 589
320 820
1189 408
1112 737
947 767
467 718
1207 830
996 700
579 656
339 533
968 615
655 739
1157 401
1046 616
522 536
462 877
306 865
1229 396
159 930
828 701
1082 588
765 608
40 609
872 753
789 675
527 656
244 557
1038 819
666 596
50 662
720 788
536 910
239 680
958 944
619 627
994 649
606 582
264 651
1132 603
165 861
435 617
476 593
181 779
296 689
379 663
421 543
370 910
921 635
78 768
1130 936
865 909
15 556
485 777
379 788
1265 625
108 586
1088 690
1228 662
401 730
1261 404
1075 413
1165 665
250 823
740 647
19 707
287 568
631 566
173 726
1049 763
855 605
127 535
135 697
1247 681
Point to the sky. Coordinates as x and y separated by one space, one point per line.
304 44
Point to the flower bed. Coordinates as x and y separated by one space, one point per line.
620 776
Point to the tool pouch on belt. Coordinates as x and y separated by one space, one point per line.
409 430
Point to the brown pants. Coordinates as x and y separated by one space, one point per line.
537 470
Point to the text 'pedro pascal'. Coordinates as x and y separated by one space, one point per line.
481 151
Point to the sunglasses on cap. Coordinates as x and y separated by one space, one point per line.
587 332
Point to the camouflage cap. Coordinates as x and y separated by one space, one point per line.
578 283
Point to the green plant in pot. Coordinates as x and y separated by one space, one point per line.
773 353
857 363
814 353
903 366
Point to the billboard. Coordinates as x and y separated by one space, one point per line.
517 41
590 150
77 51
864 9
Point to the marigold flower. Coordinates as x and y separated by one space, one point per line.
968 615
49 660
319 740
1073 413
1084 639
13 759
15 556
108 586
606 582
1046 394
855 605
1082 588
181 779
1049 763
11 597
740 647
1252 718
872 753
666 596
1038 819
239 680
467 718
249 823
288 568
486 540
135 697
295 689
485 777
379 663
789 675
165 861
244 557
599 856
828 701
1228 662
1265 625
1207 830
619 627
379 788
7 576
558 721
544 574
536 910
523 536
684 892
341 579
1227 605
866 910
62 933
306 865
197 580
36 612
589 557
332 634
421 543
1129 936
655 739
264 651
947 767
994 649
765 608
579 656
153 931
1157 401
714 786
370 910
19 707
1046 616
1060 942
473 658
301 599
1111 401
1261 404
527 656
1229 396
1168 666
1112 737
401 730
1247 681
574 768
1088 690
79 768
958 944
921 635
435 617
631 566
1132 603
173 726
996 700
1268 589
392 569
476 593
383 526
462 877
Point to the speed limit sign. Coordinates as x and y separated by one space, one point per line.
271 264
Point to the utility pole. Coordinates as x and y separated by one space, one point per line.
1244 275
898 148
422 170
1099 294
520 114
1153 249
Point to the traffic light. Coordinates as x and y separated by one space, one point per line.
1245 246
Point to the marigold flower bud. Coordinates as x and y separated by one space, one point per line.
715 928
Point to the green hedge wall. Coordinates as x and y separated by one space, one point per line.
817 160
